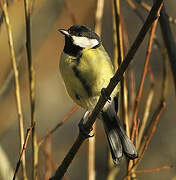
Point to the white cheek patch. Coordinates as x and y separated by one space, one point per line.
84 42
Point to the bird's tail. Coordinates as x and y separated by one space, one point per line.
119 142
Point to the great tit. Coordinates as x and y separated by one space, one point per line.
86 68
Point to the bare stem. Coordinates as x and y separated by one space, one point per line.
28 5
17 84
91 143
48 165
146 114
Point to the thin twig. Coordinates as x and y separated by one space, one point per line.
28 133
2 15
165 75
48 167
146 111
153 124
17 84
124 91
113 82
154 169
137 132
43 139
145 70
148 135
50 158
28 5
141 86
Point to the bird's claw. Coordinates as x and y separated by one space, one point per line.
83 130
104 94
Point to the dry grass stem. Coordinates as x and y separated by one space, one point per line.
120 56
165 75
42 140
146 114
110 166
147 108
91 157
49 157
98 16
124 91
48 165
17 84
137 132
131 77
91 142
31 73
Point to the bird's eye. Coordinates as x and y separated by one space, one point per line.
79 34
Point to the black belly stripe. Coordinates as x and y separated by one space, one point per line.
82 80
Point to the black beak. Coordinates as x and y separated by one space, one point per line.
64 32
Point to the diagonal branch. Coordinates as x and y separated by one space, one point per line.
168 40
22 151
113 82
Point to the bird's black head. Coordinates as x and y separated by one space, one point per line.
79 37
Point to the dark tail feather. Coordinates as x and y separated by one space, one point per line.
114 142
119 142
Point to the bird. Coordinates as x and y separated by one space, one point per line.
86 68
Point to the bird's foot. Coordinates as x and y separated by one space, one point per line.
83 130
104 94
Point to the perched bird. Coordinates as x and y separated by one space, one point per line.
86 68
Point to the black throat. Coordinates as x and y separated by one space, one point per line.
71 49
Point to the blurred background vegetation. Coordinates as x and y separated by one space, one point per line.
52 101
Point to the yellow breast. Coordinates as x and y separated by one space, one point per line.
84 77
